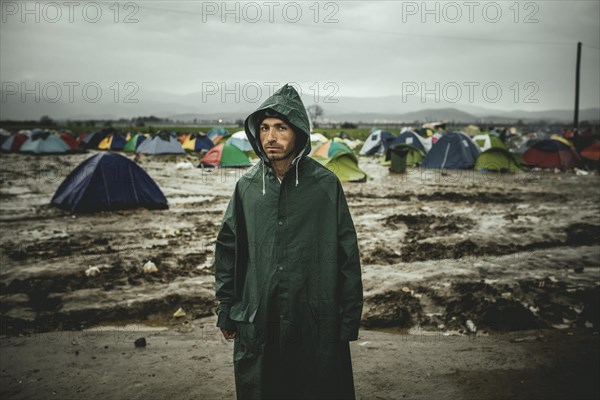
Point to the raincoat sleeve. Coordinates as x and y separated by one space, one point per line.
225 265
351 291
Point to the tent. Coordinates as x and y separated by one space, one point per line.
486 142
133 143
225 155
163 144
376 143
14 142
472 130
106 182
317 137
551 153
339 159
198 143
407 154
44 142
592 152
112 142
92 140
454 150
413 139
240 140
217 133
496 159
69 140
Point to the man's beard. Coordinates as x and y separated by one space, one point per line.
278 157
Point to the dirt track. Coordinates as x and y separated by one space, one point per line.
506 252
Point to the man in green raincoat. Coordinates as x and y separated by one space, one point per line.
288 276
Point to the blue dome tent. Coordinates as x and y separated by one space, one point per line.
454 150
107 182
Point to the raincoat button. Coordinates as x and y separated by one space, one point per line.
280 268
280 223
281 316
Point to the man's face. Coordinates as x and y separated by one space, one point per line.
277 139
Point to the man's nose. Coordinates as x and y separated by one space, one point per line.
271 136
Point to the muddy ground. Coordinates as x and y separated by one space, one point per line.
510 253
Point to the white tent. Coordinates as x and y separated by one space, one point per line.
240 140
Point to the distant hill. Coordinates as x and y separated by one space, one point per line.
197 106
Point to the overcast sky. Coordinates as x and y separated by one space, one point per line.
463 52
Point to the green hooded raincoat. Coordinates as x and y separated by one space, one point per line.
288 276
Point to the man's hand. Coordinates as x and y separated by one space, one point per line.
228 334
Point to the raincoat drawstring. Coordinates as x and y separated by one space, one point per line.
263 176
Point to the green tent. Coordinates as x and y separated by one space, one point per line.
338 158
225 155
496 159
133 143
486 142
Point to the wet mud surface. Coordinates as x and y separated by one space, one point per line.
507 252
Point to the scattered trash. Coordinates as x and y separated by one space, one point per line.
578 270
581 172
406 289
179 313
589 324
364 343
471 326
506 295
141 342
534 309
184 165
150 268
92 271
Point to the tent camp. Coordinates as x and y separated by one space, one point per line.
339 159
133 143
44 142
106 182
376 143
112 142
162 144
198 143
551 153
240 140
225 155
454 150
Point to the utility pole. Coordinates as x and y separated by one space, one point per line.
577 71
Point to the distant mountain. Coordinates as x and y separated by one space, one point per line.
200 106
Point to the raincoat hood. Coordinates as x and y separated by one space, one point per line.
287 102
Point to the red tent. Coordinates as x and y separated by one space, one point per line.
551 153
592 152
69 140
18 141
